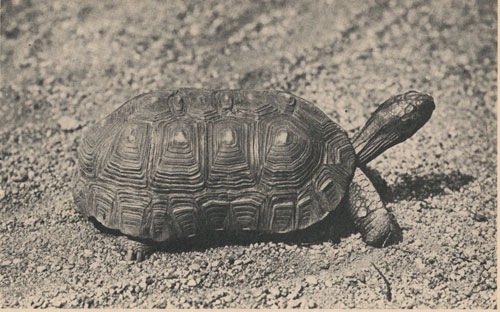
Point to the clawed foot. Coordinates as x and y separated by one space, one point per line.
135 255
136 251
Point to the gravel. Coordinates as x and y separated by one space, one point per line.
66 64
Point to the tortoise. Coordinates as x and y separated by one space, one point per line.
174 164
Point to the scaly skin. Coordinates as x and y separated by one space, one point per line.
369 213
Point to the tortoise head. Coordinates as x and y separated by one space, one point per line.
394 121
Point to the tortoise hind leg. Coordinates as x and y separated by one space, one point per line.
371 218
136 250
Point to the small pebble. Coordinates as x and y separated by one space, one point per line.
215 263
311 280
238 262
275 292
87 253
228 298
148 280
419 264
295 293
295 303
475 232
68 123
256 292
41 268
325 265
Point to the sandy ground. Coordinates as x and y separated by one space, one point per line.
66 64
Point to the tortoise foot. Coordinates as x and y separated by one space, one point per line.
136 251
379 228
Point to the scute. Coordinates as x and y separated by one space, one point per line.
230 163
288 162
178 166
174 164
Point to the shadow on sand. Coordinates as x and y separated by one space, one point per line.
414 187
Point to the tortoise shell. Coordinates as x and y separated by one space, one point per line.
175 164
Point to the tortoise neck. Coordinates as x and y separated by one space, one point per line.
378 134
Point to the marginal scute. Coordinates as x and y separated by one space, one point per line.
307 211
226 101
340 155
330 188
185 216
102 205
177 104
134 206
247 210
80 193
283 213
216 213
151 107
288 103
265 110
162 226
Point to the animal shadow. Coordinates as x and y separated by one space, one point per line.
414 187
334 227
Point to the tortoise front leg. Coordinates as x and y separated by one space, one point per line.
378 182
136 250
371 218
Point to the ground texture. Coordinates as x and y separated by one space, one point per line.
66 64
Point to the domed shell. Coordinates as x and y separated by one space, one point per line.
177 163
